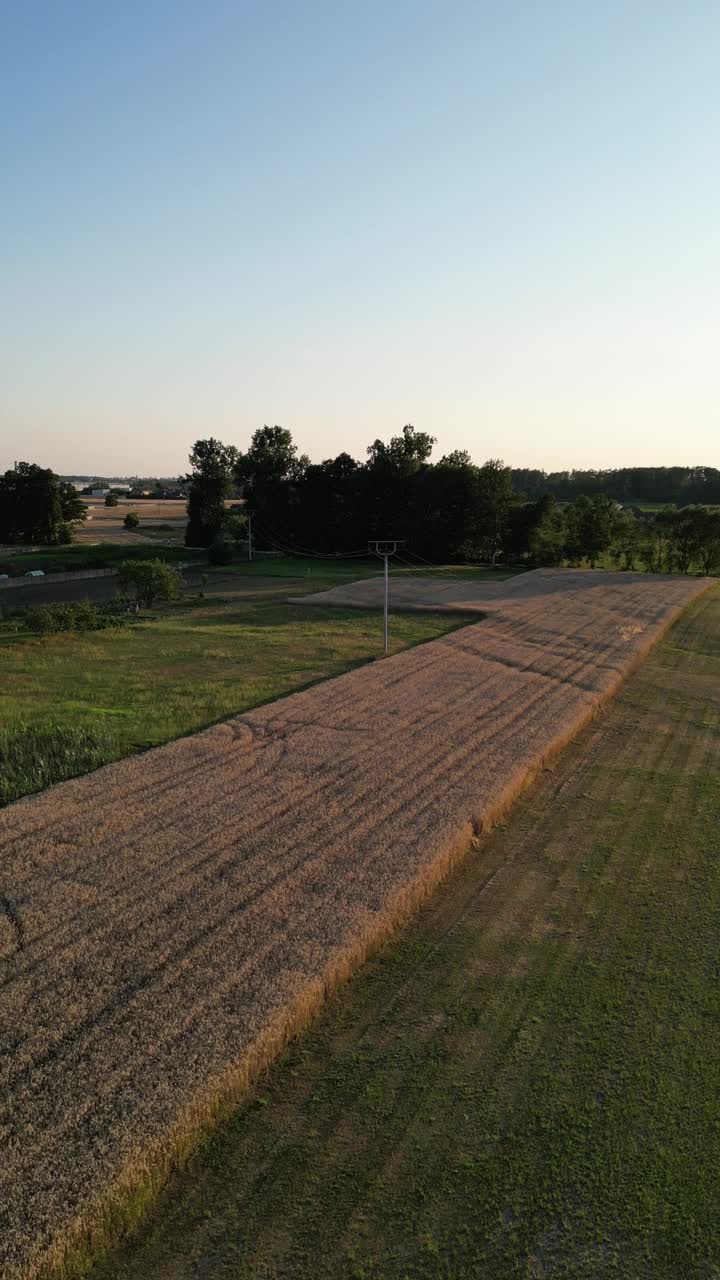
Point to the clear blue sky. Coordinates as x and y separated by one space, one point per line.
498 221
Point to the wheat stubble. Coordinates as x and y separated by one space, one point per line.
169 919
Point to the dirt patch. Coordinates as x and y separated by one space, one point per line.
231 878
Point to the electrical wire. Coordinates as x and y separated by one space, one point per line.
300 550
414 568
305 553
435 568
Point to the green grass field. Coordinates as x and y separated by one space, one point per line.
527 1082
200 661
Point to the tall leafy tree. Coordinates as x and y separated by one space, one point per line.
446 509
655 549
329 510
209 483
494 498
37 507
268 475
626 539
390 483
535 532
708 539
590 528
693 534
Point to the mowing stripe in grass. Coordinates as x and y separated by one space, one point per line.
526 1083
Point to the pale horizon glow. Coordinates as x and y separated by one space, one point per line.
497 222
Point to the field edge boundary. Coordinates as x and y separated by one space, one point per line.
125 1205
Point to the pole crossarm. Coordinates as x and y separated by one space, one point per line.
385 546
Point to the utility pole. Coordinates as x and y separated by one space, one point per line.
385 548
249 520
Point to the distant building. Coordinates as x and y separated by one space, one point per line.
99 493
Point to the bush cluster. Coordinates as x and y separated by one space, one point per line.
36 756
149 580
50 619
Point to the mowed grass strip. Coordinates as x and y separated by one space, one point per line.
527 1082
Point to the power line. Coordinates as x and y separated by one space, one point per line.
307 552
435 568
431 571
311 552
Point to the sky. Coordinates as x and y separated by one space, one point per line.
497 221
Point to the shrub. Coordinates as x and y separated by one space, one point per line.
36 756
132 520
50 619
111 500
149 580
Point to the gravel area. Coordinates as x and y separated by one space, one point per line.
168 920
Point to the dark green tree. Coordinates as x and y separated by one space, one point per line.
271 458
708 526
269 475
655 550
390 484
535 533
209 483
626 540
445 509
36 506
329 513
590 528
456 458
494 498
684 534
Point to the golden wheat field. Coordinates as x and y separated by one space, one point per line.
170 919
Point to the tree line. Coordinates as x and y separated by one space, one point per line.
679 486
447 511
451 510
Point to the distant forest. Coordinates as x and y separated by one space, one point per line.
679 486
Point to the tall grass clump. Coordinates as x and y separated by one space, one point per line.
35 756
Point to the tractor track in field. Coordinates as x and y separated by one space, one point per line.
185 910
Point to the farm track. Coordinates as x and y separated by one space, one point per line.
182 911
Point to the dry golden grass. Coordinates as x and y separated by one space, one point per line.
105 524
171 919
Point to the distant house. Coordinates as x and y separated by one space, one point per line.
99 493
